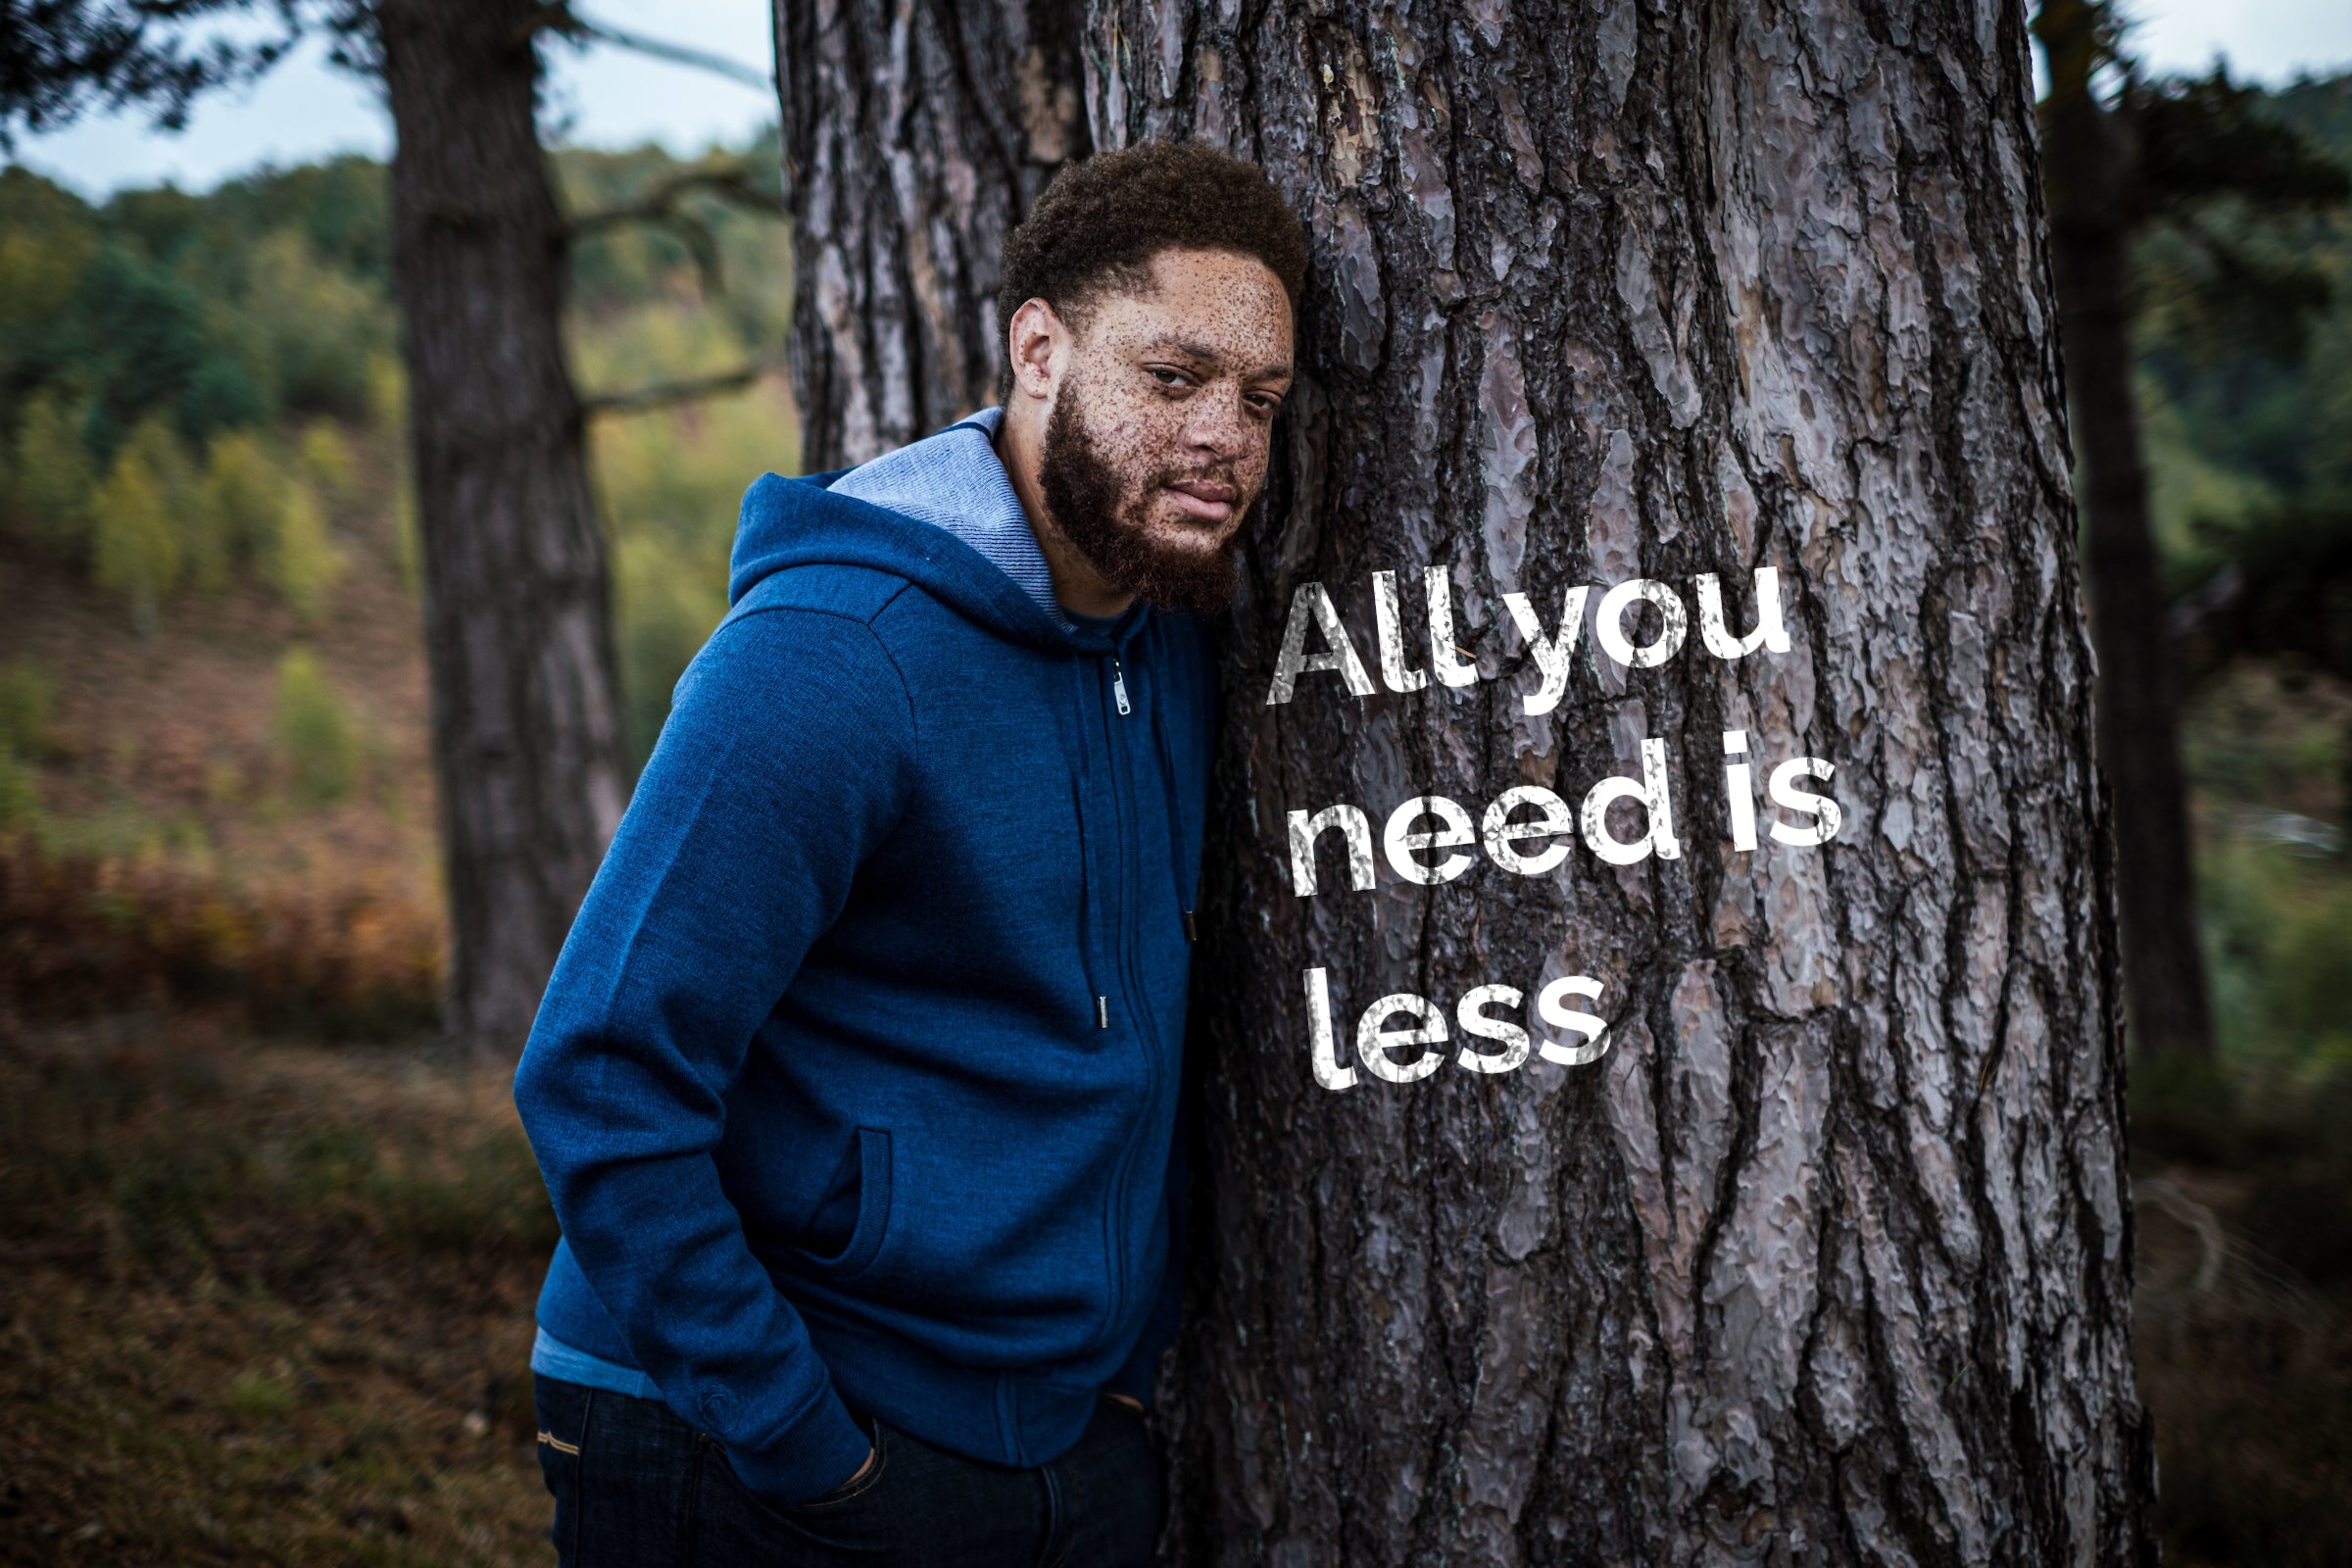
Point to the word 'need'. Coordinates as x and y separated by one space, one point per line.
1405 1021
1311 610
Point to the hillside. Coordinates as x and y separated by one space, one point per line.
270 1252
212 705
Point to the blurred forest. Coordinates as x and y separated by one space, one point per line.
2243 1166
210 676
2248 436
275 1306
216 804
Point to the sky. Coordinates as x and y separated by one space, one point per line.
304 109
610 97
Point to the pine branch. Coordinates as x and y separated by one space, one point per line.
565 20
664 394
60 57
663 208
732 184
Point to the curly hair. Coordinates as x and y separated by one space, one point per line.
1097 227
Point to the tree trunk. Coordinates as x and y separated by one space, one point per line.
916 134
1828 1258
2088 168
528 746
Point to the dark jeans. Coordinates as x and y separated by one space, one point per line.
636 1487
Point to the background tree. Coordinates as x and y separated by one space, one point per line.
526 709
530 758
914 137
2120 162
1830 1256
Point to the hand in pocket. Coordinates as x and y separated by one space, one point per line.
867 1474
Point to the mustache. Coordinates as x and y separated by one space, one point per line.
1222 475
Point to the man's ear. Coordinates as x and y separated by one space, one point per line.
1039 340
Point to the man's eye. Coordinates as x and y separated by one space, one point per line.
1168 378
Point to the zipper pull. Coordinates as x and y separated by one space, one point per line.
1192 930
1118 686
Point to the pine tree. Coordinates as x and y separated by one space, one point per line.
1826 1258
50 486
246 495
136 542
314 734
302 563
327 465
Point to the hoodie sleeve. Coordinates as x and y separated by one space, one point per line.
786 760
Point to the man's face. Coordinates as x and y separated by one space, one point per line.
1156 450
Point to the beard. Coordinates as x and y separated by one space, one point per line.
1087 496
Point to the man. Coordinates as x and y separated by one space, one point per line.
854 1085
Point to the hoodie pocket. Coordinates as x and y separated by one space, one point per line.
872 1167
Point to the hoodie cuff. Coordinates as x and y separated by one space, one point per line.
808 1459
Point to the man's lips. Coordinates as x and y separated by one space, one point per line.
1207 500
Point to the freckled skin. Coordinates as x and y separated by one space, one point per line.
1179 383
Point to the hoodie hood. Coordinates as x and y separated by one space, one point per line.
941 513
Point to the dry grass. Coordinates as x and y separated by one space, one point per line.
270 1303
164 748
260 1301
171 854
266 1304
81 935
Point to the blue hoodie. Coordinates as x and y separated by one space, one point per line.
855 1081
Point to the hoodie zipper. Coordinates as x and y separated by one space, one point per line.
1121 958
1167 775
1119 952
1154 1050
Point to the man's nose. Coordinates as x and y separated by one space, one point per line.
1218 426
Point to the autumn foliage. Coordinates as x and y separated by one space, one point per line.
86 935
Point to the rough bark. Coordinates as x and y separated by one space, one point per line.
916 134
1827 1260
527 743
2087 170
